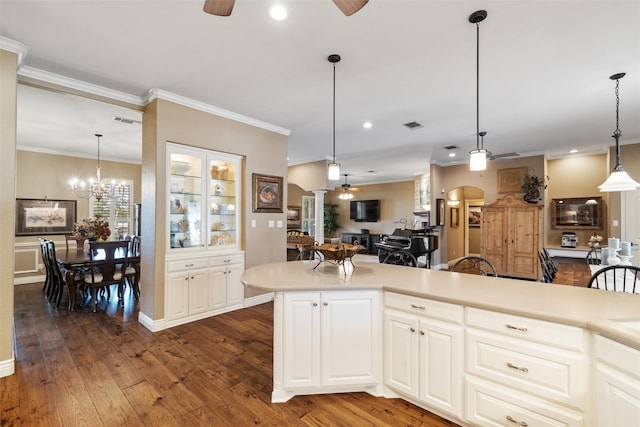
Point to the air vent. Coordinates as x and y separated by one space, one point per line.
125 120
504 155
412 125
451 147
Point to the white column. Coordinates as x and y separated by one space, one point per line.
319 234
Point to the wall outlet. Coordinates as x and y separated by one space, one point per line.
271 223
279 224
615 223
253 223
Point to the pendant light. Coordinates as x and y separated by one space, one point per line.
334 168
478 160
96 188
619 180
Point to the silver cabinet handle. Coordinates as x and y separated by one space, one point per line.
519 368
325 303
521 423
517 328
419 307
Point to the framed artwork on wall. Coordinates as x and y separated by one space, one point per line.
511 180
475 216
43 216
294 216
267 193
440 212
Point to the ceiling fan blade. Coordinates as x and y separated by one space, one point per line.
218 7
349 7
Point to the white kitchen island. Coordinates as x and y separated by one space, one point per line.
475 350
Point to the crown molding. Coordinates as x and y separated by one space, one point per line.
201 106
15 47
30 74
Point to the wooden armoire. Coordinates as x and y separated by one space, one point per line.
511 237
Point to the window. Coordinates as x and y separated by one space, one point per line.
117 210
309 215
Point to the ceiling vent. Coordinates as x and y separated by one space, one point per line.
451 147
127 121
503 156
412 125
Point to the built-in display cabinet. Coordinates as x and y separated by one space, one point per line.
204 261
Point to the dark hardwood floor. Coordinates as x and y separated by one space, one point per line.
105 369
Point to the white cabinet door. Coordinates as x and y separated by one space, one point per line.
177 295
198 284
401 352
350 334
617 397
234 287
441 360
217 288
301 339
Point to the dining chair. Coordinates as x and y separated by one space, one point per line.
108 270
132 271
58 282
475 265
70 238
619 278
594 256
550 262
47 288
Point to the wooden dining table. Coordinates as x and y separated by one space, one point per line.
76 261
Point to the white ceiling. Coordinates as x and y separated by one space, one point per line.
544 68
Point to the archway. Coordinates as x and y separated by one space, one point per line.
463 234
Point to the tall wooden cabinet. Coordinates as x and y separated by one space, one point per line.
511 236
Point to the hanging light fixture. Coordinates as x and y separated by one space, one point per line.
334 168
619 180
95 187
478 160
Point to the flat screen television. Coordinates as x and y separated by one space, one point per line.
364 210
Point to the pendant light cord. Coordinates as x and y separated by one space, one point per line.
617 133
478 85
334 112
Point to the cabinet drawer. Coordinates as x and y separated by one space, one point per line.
434 309
226 260
564 336
549 372
491 405
619 356
187 264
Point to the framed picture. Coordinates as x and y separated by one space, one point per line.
455 218
267 193
440 212
43 216
293 216
475 216
511 180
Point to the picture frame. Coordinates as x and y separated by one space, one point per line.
267 193
294 214
474 216
455 218
510 180
440 215
44 216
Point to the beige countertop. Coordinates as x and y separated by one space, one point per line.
593 309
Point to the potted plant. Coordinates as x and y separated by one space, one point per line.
330 219
531 187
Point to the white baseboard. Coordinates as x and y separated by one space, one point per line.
29 279
7 367
258 299
150 324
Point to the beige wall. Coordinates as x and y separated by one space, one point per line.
310 176
630 159
264 152
8 89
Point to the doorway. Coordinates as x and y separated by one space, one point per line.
463 232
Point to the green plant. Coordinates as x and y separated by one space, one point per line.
331 218
531 187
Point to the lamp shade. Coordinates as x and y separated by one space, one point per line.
345 196
334 171
619 180
478 160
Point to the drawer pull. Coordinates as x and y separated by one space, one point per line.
517 328
419 307
521 423
315 304
188 265
412 329
519 368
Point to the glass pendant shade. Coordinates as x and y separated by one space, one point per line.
478 160
345 196
334 171
619 180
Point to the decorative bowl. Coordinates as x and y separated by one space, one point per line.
338 252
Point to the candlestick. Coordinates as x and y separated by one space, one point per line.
614 243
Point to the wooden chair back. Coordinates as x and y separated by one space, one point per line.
475 265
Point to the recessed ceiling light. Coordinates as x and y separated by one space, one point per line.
367 125
278 12
573 151
452 154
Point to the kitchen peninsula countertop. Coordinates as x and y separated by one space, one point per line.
596 310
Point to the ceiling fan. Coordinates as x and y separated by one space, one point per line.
224 7
347 189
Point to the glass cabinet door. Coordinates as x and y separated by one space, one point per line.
223 204
185 200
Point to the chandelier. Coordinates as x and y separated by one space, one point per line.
95 188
